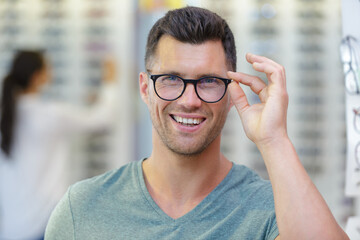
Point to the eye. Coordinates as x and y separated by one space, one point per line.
170 78
209 80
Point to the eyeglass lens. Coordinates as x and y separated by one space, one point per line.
209 89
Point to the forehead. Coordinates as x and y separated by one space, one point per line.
189 59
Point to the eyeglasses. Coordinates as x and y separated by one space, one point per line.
351 64
209 89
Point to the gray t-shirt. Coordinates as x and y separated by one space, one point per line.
117 205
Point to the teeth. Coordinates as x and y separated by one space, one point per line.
191 121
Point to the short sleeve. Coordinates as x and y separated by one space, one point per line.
61 224
273 230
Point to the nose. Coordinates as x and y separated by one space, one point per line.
189 98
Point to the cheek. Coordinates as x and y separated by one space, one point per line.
222 109
157 107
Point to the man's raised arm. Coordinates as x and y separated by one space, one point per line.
301 212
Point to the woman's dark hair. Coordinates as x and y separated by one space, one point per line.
24 65
192 25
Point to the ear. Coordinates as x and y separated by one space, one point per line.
144 87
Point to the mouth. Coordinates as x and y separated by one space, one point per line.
188 122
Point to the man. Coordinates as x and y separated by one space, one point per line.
187 189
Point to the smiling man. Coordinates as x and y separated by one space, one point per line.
186 188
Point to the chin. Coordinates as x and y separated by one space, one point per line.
188 150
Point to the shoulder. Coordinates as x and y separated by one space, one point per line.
106 181
91 199
246 176
251 187
110 186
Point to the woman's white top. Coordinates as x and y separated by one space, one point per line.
35 178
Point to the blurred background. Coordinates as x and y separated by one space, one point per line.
302 35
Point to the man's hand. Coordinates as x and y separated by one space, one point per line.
266 121
301 212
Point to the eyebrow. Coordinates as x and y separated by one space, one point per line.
196 77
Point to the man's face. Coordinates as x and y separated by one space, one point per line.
186 126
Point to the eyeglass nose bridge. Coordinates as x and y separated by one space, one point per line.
191 81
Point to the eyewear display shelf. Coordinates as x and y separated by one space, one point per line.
77 36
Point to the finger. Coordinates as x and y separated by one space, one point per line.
275 74
251 58
274 71
238 97
255 83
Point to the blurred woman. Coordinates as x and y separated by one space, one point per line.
34 135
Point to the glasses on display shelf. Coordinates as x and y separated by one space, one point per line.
56 48
310 14
265 29
53 14
311 66
11 30
93 64
309 115
97 13
310 82
53 32
96 30
309 48
350 52
310 30
311 99
209 89
310 134
97 47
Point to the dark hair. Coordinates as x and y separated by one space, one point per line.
192 25
24 65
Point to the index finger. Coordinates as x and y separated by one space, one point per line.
274 71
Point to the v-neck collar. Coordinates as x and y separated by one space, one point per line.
193 212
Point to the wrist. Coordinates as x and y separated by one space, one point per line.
278 143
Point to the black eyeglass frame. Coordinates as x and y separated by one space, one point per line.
226 81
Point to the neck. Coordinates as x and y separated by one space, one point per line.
177 182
